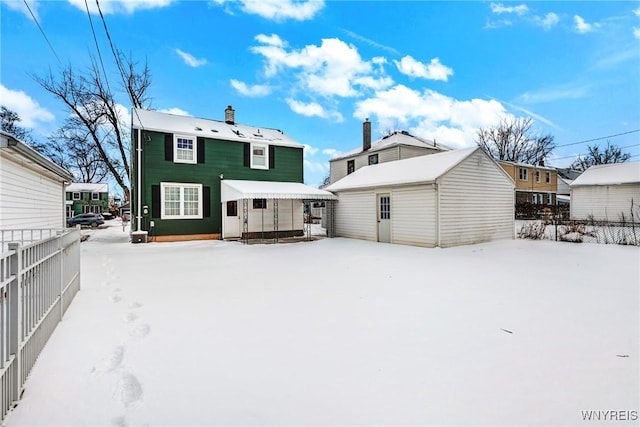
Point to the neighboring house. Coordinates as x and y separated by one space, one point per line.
176 179
32 194
607 192
87 198
534 184
452 198
396 146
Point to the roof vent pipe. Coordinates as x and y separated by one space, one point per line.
366 135
229 116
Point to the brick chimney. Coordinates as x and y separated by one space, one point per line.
229 116
366 135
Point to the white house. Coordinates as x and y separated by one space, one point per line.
452 198
32 188
606 192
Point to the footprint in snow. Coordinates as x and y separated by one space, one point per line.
112 361
140 331
128 389
135 304
115 298
119 422
129 317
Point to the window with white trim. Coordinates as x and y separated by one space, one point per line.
95 196
537 175
259 203
549 198
547 177
259 156
180 201
523 174
184 149
76 195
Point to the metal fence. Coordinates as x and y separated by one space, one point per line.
38 281
607 232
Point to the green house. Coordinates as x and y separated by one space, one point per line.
179 164
82 197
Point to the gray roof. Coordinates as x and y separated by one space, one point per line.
216 129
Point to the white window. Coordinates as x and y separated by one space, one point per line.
95 196
259 156
523 174
184 149
549 199
547 177
76 196
537 176
180 201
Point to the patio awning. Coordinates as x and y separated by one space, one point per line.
232 189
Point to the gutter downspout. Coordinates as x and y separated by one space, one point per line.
139 197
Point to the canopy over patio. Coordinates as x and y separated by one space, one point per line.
232 189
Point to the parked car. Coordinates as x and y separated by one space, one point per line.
92 219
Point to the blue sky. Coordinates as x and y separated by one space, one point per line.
317 69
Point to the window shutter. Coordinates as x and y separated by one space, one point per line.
155 201
272 157
247 154
168 147
206 202
200 142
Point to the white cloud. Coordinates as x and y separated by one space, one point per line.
636 32
331 69
371 42
435 70
430 114
549 21
571 91
492 25
499 8
315 166
637 12
309 150
277 10
30 112
331 152
581 26
312 109
174 110
191 60
120 6
272 40
20 6
252 91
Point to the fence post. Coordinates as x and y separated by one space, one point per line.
61 261
15 317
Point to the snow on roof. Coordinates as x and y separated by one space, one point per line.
88 187
617 173
419 169
232 189
527 165
186 125
396 138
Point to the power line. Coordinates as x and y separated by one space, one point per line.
582 154
95 39
42 31
598 139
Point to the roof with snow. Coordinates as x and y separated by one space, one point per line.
419 169
186 125
78 187
396 138
616 173
232 189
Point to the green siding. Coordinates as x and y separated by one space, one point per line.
221 157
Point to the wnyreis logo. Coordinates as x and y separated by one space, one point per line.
609 415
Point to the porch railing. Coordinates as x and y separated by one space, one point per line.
38 280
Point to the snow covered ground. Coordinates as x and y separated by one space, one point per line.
342 332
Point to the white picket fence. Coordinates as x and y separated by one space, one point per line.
38 280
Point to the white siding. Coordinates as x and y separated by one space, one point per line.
338 168
413 216
604 202
29 199
355 215
407 152
475 202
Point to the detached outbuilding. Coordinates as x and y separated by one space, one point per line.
453 198
606 192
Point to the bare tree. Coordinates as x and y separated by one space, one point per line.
514 140
92 105
611 154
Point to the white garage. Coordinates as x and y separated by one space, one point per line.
453 198
607 192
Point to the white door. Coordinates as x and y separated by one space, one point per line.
384 218
231 220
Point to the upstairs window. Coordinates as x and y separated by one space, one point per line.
373 159
184 149
547 177
76 196
523 174
351 166
95 196
537 176
259 159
